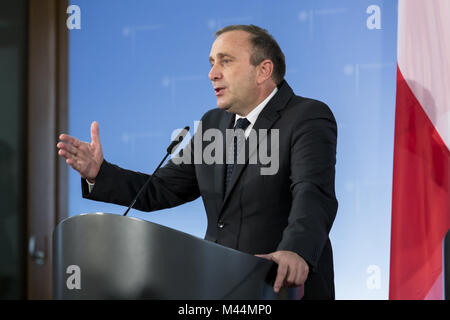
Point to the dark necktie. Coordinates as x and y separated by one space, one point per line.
242 124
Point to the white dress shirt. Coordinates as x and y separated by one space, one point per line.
253 115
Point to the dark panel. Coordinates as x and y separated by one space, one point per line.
13 90
47 104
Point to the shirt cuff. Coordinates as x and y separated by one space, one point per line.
90 185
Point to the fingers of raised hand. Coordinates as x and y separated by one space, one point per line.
70 140
73 150
67 150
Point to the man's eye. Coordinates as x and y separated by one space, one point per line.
226 61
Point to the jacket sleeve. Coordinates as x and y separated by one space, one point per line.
173 184
312 175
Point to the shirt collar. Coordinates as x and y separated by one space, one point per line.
253 115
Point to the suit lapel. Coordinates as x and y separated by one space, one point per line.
265 120
219 169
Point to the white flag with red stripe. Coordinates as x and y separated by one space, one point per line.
421 179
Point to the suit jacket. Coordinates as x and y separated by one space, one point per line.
293 209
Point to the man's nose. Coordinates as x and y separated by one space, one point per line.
214 73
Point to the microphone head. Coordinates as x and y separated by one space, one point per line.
173 146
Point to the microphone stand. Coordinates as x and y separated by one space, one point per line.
170 149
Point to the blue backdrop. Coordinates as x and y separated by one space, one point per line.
140 69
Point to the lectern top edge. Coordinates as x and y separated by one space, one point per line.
169 229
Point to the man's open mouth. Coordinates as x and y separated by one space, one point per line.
219 90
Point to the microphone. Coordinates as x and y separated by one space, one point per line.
170 150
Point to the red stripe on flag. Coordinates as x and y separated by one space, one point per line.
420 199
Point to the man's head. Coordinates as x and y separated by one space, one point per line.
246 65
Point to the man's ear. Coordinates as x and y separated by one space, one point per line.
265 70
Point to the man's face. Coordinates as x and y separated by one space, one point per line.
232 75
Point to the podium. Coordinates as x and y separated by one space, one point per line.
108 256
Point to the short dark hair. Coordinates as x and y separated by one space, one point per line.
264 47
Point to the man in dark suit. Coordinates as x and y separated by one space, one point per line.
284 216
